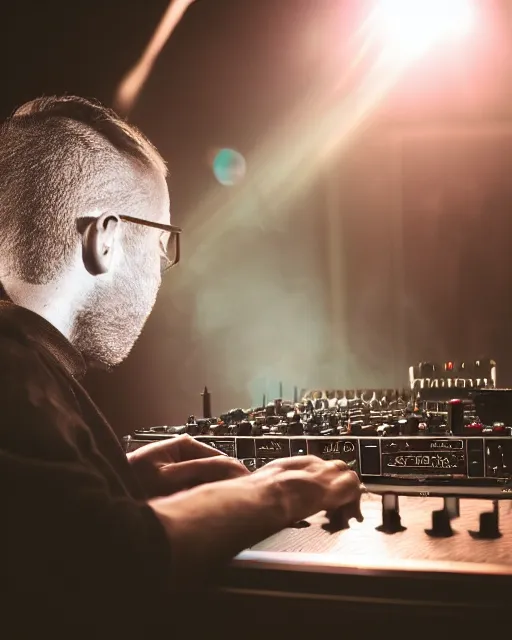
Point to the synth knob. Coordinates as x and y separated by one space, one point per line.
244 428
204 426
278 403
333 420
451 505
455 421
412 426
256 430
500 429
177 431
337 521
391 520
388 430
312 426
207 403
369 430
192 426
475 428
270 410
295 429
160 429
356 427
489 524
218 429
236 415
441 525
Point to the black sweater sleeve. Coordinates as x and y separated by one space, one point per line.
71 540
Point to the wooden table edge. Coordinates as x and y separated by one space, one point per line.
328 563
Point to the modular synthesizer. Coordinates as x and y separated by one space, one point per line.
449 433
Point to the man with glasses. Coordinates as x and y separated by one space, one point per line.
88 532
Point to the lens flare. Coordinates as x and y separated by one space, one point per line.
229 167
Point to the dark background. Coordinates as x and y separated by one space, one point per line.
395 250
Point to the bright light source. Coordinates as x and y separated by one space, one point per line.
413 26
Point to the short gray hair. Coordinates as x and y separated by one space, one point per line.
59 158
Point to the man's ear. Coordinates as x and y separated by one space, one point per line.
98 240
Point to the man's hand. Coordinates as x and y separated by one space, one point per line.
180 463
309 484
208 525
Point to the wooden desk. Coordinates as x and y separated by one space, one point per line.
355 580
362 542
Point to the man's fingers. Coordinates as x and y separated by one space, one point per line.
183 475
348 496
296 463
191 449
184 448
349 488
350 510
346 502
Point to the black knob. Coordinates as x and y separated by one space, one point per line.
244 428
441 526
391 521
192 426
204 426
451 505
257 429
295 429
312 428
489 524
455 422
207 403
356 427
412 426
337 521
218 429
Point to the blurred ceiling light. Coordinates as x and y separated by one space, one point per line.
411 27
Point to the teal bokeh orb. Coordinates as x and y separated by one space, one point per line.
229 167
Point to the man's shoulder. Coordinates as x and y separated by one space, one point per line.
17 346
37 402
27 368
26 335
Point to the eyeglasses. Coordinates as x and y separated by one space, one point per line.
172 256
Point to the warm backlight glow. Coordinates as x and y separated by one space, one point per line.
413 26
